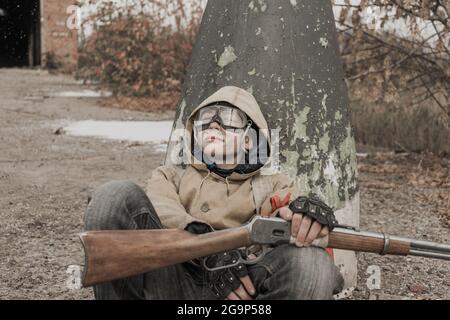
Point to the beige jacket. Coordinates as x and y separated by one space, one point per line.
196 194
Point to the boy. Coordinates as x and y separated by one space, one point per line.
218 190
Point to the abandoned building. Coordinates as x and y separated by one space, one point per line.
35 33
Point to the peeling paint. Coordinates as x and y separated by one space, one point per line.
290 167
294 3
258 5
293 88
347 147
300 125
316 173
179 123
338 116
324 42
302 184
252 72
330 192
263 5
258 31
330 171
330 174
306 153
314 155
227 57
324 102
324 142
347 151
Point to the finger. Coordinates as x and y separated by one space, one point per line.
285 213
313 233
324 232
248 285
304 228
242 293
233 296
251 256
296 222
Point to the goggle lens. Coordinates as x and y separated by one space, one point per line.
228 117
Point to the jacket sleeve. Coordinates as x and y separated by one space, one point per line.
284 188
162 190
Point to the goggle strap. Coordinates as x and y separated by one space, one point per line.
249 125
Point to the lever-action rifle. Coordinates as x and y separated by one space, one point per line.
111 255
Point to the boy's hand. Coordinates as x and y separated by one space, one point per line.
304 229
230 283
244 292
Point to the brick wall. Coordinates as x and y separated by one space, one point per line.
59 44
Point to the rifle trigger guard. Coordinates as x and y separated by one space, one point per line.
234 263
238 261
258 258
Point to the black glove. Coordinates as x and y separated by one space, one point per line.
221 282
198 228
316 209
225 281
195 267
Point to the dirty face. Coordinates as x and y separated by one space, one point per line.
224 147
218 143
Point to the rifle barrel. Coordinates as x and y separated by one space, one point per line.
428 245
430 254
367 241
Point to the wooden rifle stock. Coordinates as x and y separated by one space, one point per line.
112 255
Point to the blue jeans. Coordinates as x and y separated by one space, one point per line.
286 272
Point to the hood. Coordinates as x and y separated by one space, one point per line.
243 100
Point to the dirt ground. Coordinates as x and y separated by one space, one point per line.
45 179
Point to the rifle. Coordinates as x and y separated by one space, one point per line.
112 255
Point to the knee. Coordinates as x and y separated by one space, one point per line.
306 259
311 273
118 204
117 190
121 193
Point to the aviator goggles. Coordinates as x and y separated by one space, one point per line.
230 118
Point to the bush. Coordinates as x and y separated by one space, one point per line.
136 51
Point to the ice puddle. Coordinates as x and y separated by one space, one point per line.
155 132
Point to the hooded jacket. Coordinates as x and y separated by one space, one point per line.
199 195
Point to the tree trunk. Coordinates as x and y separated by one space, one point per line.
286 53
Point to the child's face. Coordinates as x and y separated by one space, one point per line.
220 144
221 134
